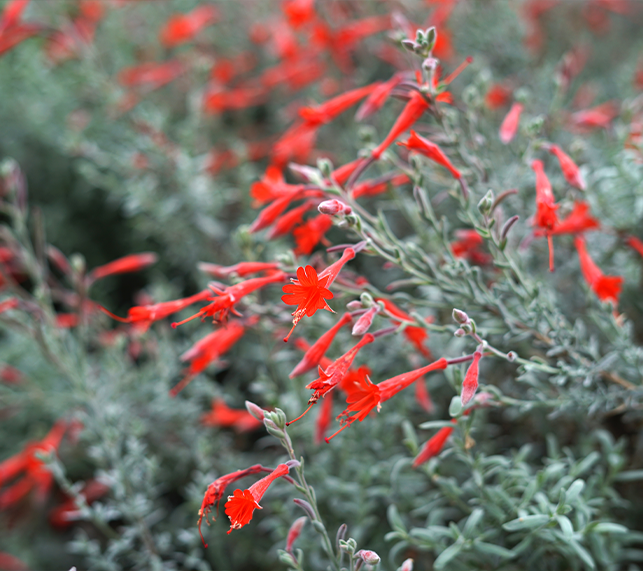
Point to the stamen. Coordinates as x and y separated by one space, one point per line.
301 415
457 71
121 319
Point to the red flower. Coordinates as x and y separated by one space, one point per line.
151 74
413 110
314 354
578 220
364 396
546 217
342 174
293 532
379 185
223 416
208 350
327 111
607 288
144 315
271 186
216 489
286 222
222 305
324 419
311 233
335 372
375 101
308 293
35 475
298 13
295 144
269 214
217 99
470 383
131 263
434 445
241 505
635 244
181 28
242 269
509 126
468 246
599 117
425 147
415 334
497 96
570 169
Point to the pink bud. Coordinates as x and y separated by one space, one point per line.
356 304
365 321
294 531
407 565
254 410
509 126
369 557
333 207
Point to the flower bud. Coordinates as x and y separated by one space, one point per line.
410 45
354 305
364 323
325 167
348 546
470 383
369 557
486 202
459 332
511 356
460 316
341 534
304 505
406 566
294 531
255 410
334 207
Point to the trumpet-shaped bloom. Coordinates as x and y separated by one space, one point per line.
311 233
127 264
509 125
415 334
571 172
470 383
242 269
434 445
313 356
429 149
546 217
327 111
364 396
181 28
216 489
223 416
242 503
607 288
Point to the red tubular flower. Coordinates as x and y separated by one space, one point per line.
413 110
215 492
364 396
241 505
635 244
295 144
324 419
223 416
217 100
468 246
311 233
12 13
579 220
509 125
269 214
242 269
181 28
329 110
599 117
271 186
333 270
365 321
127 264
415 334
546 217
497 96
334 373
208 350
144 315
314 354
607 288
151 74
342 174
375 101
308 292
425 147
379 185
17 34
222 305
422 395
470 383
35 475
434 445
568 166
286 222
